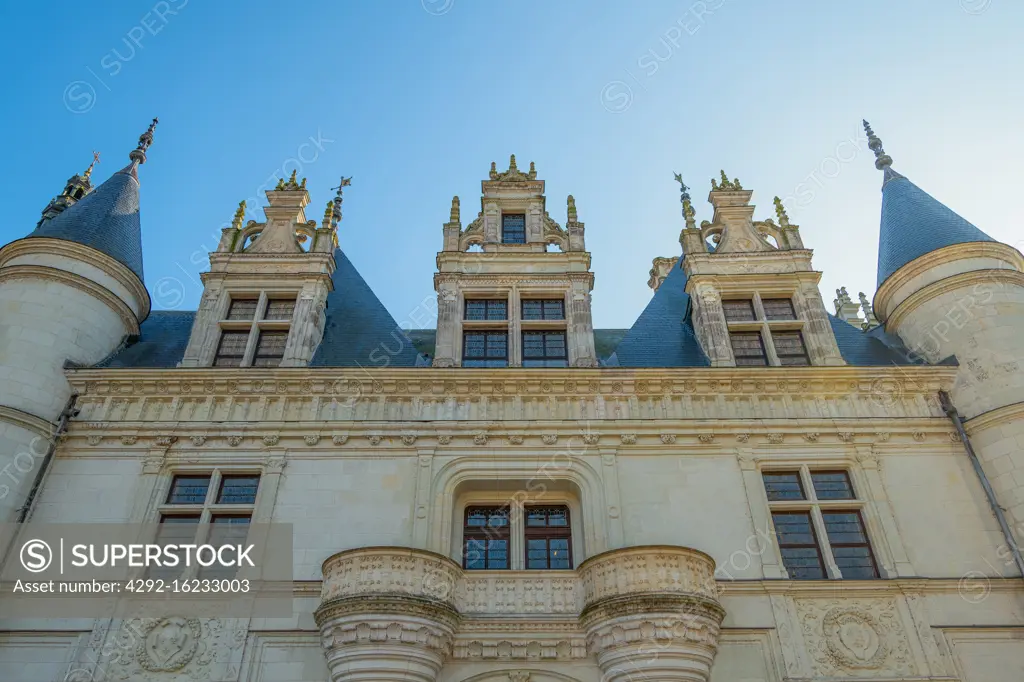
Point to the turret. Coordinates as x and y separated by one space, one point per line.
71 292
948 289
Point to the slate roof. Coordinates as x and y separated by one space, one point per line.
161 342
915 223
872 348
106 219
662 335
360 331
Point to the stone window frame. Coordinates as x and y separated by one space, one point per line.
764 326
514 324
255 326
811 504
517 502
209 507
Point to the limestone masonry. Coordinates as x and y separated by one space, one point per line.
741 487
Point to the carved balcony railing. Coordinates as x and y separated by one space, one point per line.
392 610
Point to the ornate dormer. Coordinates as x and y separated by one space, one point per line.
76 188
754 292
514 285
264 298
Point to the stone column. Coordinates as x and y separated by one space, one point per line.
308 322
710 326
387 614
580 338
818 336
651 613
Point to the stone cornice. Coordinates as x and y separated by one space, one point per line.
79 282
922 264
25 420
88 255
996 417
952 283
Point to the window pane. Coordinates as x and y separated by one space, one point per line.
270 348
485 349
242 309
544 309
486 309
231 349
280 309
738 311
748 349
778 309
544 349
188 490
798 546
513 228
850 545
832 485
177 529
789 346
548 538
238 490
783 485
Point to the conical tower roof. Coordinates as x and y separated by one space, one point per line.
913 223
107 219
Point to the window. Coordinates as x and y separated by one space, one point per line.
544 349
789 346
544 309
513 228
280 309
269 348
208 508
492 533
548 538
820 534
242 309
486 309
485 538
739 310
778 309
485 349
254 332
231 349
748 349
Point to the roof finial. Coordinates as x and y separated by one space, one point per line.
512 163
780 211
684 199
336 210
138 155
95 160
532 175
727 185
239 215
494 171
570 210
882 160
454 215
328 212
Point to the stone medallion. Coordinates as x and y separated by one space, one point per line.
853 638
169 644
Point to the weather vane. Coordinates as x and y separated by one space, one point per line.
336 214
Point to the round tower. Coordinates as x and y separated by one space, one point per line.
950 290
70 292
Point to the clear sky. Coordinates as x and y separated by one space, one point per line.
416 98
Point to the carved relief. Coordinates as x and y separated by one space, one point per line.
169 644
855 637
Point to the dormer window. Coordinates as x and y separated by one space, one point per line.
513 228
765 332
254 332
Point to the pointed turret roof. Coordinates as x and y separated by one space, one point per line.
107 218
913 222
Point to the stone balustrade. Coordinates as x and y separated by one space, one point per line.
389 612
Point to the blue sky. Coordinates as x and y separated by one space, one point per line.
415 99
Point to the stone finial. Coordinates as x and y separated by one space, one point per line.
512 163
336 202
687 204
842 295
454 215
328 212
870 320
292 184
239 216
780 212
95 160
570 208
494 171
532 175
882 160
138 155
846 309
726 185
